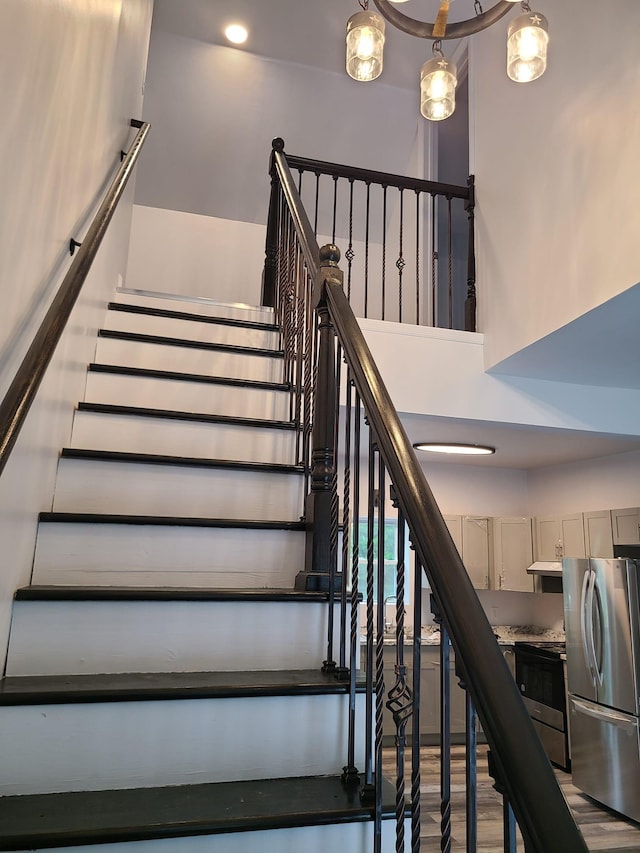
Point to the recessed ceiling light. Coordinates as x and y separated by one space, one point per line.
447 447
236 33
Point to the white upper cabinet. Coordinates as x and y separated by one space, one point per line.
558 536
598 538
626 526
512 553
471 536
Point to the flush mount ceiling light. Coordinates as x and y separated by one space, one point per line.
236 33
526 46
452 448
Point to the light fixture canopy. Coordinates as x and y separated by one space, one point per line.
527 46
454 448
365 43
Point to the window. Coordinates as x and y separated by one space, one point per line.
390 558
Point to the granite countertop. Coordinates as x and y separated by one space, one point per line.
505 634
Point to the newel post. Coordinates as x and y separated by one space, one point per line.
271 242
321 502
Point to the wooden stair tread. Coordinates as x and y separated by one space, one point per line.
151 373
141 686
93 817
167 521
165 340
192 315
185 461
170 414
43 592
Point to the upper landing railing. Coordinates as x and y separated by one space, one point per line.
407 243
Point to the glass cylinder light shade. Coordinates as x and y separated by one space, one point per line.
438 89
365 41
527 47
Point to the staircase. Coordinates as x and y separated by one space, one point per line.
164 679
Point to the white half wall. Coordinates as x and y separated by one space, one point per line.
556 162
72 77
190 254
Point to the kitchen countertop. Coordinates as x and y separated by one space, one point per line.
505 634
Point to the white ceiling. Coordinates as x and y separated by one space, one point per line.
599 349
302 31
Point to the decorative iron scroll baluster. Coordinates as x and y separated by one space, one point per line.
434 259
400 701
350 254
470 303
380 690
400 263
342 671
445 731
368 775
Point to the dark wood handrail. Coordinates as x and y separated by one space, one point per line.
22 391
535 795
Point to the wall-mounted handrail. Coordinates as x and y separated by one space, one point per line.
522 765
22 391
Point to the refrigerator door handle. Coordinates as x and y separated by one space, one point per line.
596 675
608 715
596 611
583 624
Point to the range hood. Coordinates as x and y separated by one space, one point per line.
546 568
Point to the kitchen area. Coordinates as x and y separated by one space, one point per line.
561 593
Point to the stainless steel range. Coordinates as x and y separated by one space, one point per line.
540 676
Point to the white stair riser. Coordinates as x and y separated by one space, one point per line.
112 745
75 637
208 308
183 396
148 556
353 837
188 360
191 330
85 485
175 437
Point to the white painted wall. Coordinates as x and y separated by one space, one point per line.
609 482
555 164
72 78
215 111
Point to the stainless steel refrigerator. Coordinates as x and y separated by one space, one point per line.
602 616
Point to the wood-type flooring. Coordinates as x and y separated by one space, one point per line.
604 831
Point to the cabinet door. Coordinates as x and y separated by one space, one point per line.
513 553
547 537
598 538
475 549
572 535
454 523
626 526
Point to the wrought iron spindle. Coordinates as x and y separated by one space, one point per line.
350 254
450 262
345 450
470 303
415 721
370 612
380 690
367 220
434 260
335 205
400 263
417 257
350 772
384 248
471 772
315 214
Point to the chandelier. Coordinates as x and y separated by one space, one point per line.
526 46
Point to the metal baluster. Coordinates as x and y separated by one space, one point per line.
368 781
508 819
417 257
400 263
435 320
315 215
470 303
344 670
335 202
366 251
384 246
471 773
350 772
415 722
329 665
450 267
400 701
445 732
380 691
350 254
